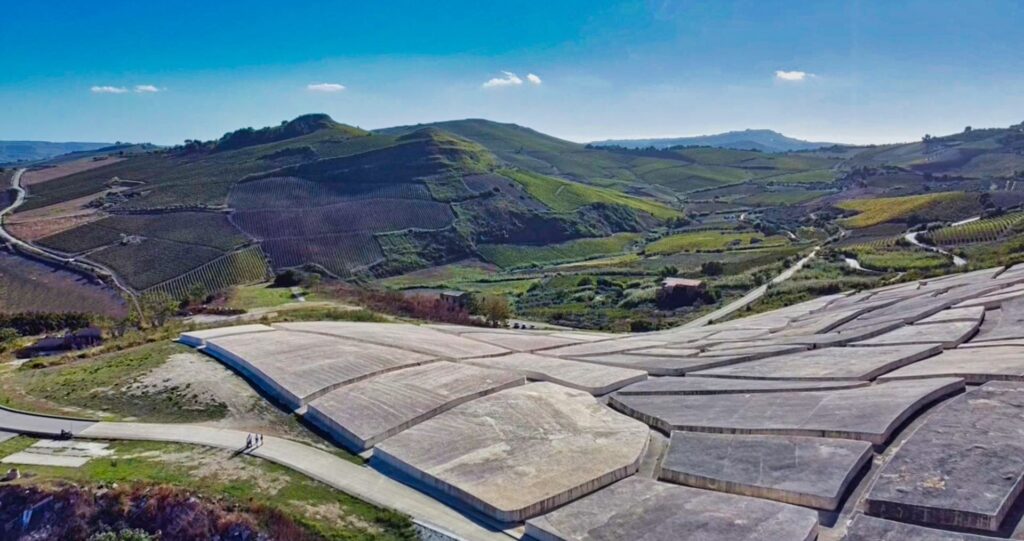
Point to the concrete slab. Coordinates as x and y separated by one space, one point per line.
660 365
4 436
412 338
973 313
588 377
948 334
518 453
35 459
522 341
994 300
644 510
963 467
975 365
363 414
698 386
868 528
60 453
604 347
752 353
909 310
812 472
198 338
828 364
296 367
1009 326
869 413
736 335
1017 342
666 352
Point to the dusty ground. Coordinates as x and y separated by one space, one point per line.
65 169
210 383
42 222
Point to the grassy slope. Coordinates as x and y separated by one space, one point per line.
704 241
567 196
511 255
888 209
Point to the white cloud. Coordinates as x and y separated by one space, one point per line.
792 76
325 87
533 79
509 79
146 89
109 90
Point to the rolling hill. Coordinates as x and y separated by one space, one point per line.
760 140
30 151
311 191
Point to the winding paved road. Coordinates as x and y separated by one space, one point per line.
95 269
752 295
361 482
912 239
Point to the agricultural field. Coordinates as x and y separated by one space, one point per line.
461 271
512 255
242 267
987 230
27 285
208 229
712 241
947 206
339 254
370 215
899 259
567 196
777 197
293 192
63 169
148 262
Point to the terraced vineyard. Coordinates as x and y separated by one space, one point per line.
244 266
339 254
27 285
208 229
988 230
373 215
935 206
149 262
293 192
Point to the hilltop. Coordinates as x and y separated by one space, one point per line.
749 139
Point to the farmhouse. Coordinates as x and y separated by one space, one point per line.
456 299
681 285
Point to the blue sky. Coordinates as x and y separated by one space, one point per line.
867 71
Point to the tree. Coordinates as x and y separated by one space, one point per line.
712 268
495 308
158 307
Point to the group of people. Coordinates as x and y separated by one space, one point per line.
253 441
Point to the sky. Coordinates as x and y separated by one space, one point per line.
851 72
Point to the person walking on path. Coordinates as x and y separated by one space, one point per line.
248 441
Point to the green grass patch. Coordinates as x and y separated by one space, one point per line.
566 196
513 255
260 296
709 241
880 210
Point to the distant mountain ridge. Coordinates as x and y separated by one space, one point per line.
762 140
27 151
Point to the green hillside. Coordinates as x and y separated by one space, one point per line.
313 191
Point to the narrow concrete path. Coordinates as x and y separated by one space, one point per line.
752 295
358 481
